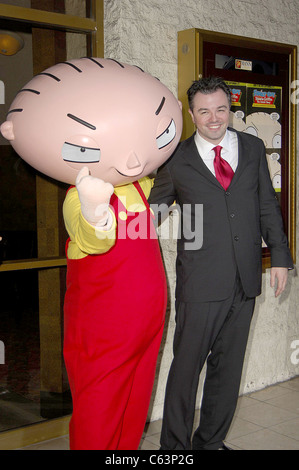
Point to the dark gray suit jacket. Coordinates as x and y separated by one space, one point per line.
233 222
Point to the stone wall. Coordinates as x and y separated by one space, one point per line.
145 34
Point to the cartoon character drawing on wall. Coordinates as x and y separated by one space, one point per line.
266 127
104 126
236 120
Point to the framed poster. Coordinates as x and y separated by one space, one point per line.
256 110
260 75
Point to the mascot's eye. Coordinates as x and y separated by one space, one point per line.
78 154
251 130
167 136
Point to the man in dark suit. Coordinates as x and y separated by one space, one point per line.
218 272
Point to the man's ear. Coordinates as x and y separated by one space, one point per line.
7 130
191 114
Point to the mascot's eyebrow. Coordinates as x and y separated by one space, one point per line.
80 121
160 106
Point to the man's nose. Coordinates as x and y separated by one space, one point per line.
213 117
133 161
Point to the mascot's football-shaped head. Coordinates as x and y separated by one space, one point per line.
114 118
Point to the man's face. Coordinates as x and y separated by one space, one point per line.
210 115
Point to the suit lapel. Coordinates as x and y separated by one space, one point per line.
192 156
241 157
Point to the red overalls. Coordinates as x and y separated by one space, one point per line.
114 316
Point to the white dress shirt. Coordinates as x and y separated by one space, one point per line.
229 151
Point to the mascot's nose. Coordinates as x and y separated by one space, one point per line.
133 161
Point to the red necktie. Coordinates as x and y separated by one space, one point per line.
223 171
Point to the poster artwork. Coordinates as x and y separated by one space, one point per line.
256 109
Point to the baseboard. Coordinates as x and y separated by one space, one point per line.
28 435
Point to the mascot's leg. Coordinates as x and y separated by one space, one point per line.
99 396
111 389
137 407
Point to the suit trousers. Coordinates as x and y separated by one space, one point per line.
214 333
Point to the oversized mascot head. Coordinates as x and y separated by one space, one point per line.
114 118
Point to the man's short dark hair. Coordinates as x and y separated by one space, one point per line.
206 86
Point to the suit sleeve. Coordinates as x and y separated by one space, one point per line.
271 219
163 194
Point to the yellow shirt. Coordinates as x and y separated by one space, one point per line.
85 239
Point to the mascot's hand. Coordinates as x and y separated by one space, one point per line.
94 195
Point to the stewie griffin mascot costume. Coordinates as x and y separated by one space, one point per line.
104 127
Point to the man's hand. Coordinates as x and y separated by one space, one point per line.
279 277
94 195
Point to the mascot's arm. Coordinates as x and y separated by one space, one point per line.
94 236
85 238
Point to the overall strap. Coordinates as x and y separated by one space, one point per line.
142 195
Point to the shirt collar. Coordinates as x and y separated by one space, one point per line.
204 147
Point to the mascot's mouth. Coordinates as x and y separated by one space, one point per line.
129 176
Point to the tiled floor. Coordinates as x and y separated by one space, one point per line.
264 420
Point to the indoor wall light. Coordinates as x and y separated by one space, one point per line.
10 43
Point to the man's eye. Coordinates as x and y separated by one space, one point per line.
167 136
78 154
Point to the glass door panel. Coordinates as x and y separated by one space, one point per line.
33 381
80 8
19 333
